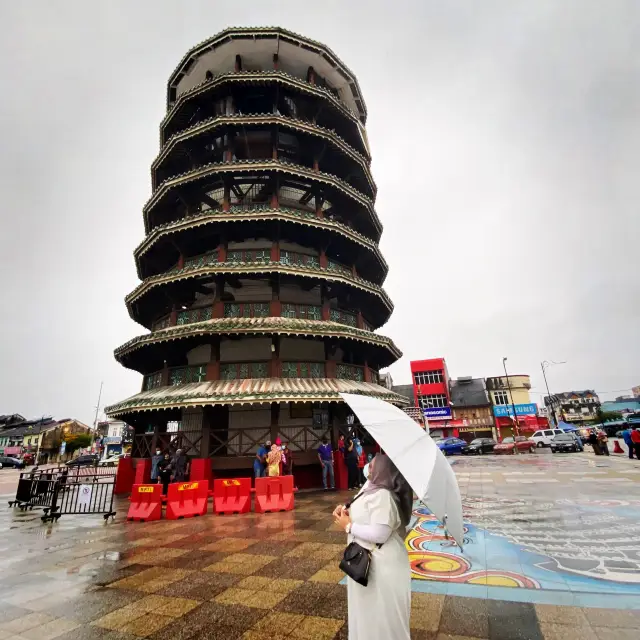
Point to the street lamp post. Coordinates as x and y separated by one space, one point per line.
513 404
545 365
95 420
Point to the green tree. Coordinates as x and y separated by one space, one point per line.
77 441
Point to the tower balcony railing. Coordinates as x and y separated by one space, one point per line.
261 369
244 370
257 309
303 370
259 210
183 375
350 372
303 311
247 309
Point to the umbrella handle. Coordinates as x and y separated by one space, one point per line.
444 524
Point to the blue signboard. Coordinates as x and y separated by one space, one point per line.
504 410
440 413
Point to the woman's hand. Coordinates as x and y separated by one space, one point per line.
343 519
339 510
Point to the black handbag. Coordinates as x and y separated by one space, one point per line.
356 559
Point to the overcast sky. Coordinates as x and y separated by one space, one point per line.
505 138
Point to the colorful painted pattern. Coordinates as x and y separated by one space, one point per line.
521 546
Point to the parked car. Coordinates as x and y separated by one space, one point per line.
544 437
87 460
111 461
14 463
508 445
566 442
451 446
479 446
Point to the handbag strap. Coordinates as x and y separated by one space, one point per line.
348 506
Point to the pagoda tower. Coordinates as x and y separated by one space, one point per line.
261 276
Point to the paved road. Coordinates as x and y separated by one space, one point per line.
552 551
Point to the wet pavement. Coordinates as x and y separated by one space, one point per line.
552 551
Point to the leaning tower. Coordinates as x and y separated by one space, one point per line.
261 276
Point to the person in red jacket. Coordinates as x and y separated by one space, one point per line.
635 438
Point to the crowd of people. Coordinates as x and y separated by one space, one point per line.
631 438
273 460
166 468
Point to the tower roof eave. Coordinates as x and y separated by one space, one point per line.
249 391
264 33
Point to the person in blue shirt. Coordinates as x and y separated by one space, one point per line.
626 436
325 455
259 464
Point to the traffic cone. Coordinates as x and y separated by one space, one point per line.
616 447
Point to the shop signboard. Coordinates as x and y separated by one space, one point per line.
437 413
505 411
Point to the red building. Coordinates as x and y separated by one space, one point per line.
431 392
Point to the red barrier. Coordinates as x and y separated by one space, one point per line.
201 470
143 471
124 476
274 494
187 499
146 503
232 496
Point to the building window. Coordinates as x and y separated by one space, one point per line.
434 400
427 377
501 398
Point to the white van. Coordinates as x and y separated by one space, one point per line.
543 437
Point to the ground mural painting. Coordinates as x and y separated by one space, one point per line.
577 545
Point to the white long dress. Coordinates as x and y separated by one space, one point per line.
382 609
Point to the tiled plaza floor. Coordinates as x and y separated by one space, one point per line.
275 575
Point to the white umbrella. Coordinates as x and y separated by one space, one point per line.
417 457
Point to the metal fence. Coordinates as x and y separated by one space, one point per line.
86 495
63 490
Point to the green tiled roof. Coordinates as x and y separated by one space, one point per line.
265 325
251 391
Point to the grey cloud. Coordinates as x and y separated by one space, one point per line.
505 140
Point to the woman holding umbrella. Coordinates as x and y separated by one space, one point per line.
377 520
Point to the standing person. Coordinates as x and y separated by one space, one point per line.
626 436
351 458
165 469
274 458
155 461
382 609
260 461
180 466
361 462
325 455
635 439
287 460
593 441
602 441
